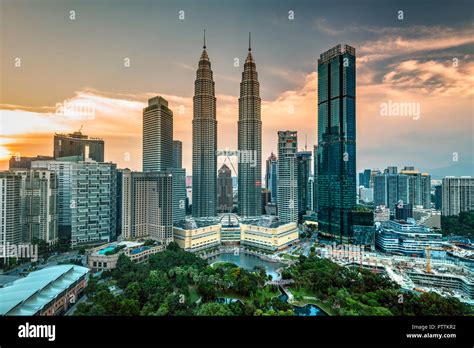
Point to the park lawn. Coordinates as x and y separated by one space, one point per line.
266 293
303 297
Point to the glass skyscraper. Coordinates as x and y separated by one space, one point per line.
364 178
224 189
177 154
408 186
336 140
303 160
271 177
157 135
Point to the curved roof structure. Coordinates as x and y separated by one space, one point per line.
229 220
29 295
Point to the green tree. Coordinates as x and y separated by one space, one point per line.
214 309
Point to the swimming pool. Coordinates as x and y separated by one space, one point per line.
105 250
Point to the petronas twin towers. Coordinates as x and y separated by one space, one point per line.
204 186
250 141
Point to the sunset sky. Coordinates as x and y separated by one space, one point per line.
426 58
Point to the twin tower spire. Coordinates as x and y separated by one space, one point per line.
250 43
204 181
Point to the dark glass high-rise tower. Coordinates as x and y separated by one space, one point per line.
303 161
204 141
224 189
336 141
271 177
250 141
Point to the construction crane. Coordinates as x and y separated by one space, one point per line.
428 257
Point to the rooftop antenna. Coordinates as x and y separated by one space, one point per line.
80 129
204 39
250 42
306 142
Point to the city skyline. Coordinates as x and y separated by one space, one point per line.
399 61
134 136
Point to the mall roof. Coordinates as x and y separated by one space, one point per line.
28 295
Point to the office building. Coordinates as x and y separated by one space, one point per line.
161 153
177 154
311 193
403 211
118 203
204 184
457 194
364 178
419 187
92 205
407 186
147 206
249 141
10 208
179 193
362 227
157 136
438 197
179 183
266 199
225 196
336 140
315 179
22 162
287 201
63 171
303 160
406 238
80 145
271 176
39 193
372 175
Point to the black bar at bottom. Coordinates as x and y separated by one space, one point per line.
135 331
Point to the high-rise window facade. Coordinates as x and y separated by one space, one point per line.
336 140
204 186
